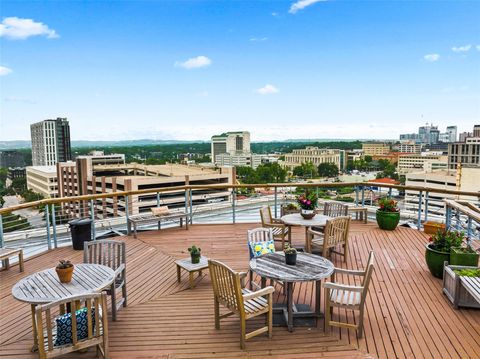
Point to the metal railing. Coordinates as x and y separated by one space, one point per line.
47 220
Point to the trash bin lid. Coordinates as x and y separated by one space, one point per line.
80 222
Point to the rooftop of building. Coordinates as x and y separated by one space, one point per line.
162 170
44 169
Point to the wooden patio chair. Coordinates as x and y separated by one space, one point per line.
280 231
228 291
82 328
333 209
112 254
348 296
335 234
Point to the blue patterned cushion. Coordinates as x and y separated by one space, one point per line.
64 326
261 248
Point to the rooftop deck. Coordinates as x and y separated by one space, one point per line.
406 313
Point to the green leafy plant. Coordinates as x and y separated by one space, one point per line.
291 207
308 200
64 264
444 240
387 205
471 272
194 250
289 249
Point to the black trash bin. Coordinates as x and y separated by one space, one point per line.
81 231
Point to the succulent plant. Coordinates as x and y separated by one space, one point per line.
288 249
194 250
64 264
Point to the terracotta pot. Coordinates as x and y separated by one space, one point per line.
65 274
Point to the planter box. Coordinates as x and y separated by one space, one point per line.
458 257
432 227
454 290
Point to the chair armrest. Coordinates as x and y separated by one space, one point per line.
274 225
277 220
242 276
349 271
259 293
350 288
316 233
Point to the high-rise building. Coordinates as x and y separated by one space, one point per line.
50 142
465 153
452 133
428 133
476 131
462 137
233 143
11 158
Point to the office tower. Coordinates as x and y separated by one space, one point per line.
476 131
50 142
452 133
233 143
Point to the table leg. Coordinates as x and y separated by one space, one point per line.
290 306
200 273
263 282
190 279
318 293
34 328
178 273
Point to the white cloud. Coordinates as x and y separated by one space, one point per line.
258 39
432 57
5 71
302 4
194 63
275 14
267 90
15 28
478 47
464 48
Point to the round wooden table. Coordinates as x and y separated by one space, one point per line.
309 267
45 287
296 219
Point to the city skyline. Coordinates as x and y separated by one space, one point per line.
282 70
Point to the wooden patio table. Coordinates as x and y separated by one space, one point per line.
296 219
309 267
45 287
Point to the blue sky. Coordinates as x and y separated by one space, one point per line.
280 69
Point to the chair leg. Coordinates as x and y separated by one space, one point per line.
113 297
328 313
124 293
217 314
345 251
20 261
360 324
243 330
270 317
250 275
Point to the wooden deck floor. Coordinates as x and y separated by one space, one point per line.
407 316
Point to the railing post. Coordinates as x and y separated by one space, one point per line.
54 227
126 214
190 195
275 201
92 215
426 206
363 196
158 199
233 205
419 219
457 218
1 231
186 202
356 196
469 228
390 193
47 225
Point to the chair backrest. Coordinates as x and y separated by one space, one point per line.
108 252
335 209
82 336
368 274
226 285
266 215
336 231
258 235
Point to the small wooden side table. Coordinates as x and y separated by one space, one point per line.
191 268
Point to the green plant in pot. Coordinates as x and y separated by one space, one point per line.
464 256
195 254
388 214
64 271
307 203
290 255
438 250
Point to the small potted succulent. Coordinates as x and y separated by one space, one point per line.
438 250
195 254
64 271
388 214
290 255
307 203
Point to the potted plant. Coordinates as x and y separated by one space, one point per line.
64 271
290 255
464 256
195 254
307 203
438 250
388 214
289 208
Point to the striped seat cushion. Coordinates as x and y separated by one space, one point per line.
279 230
